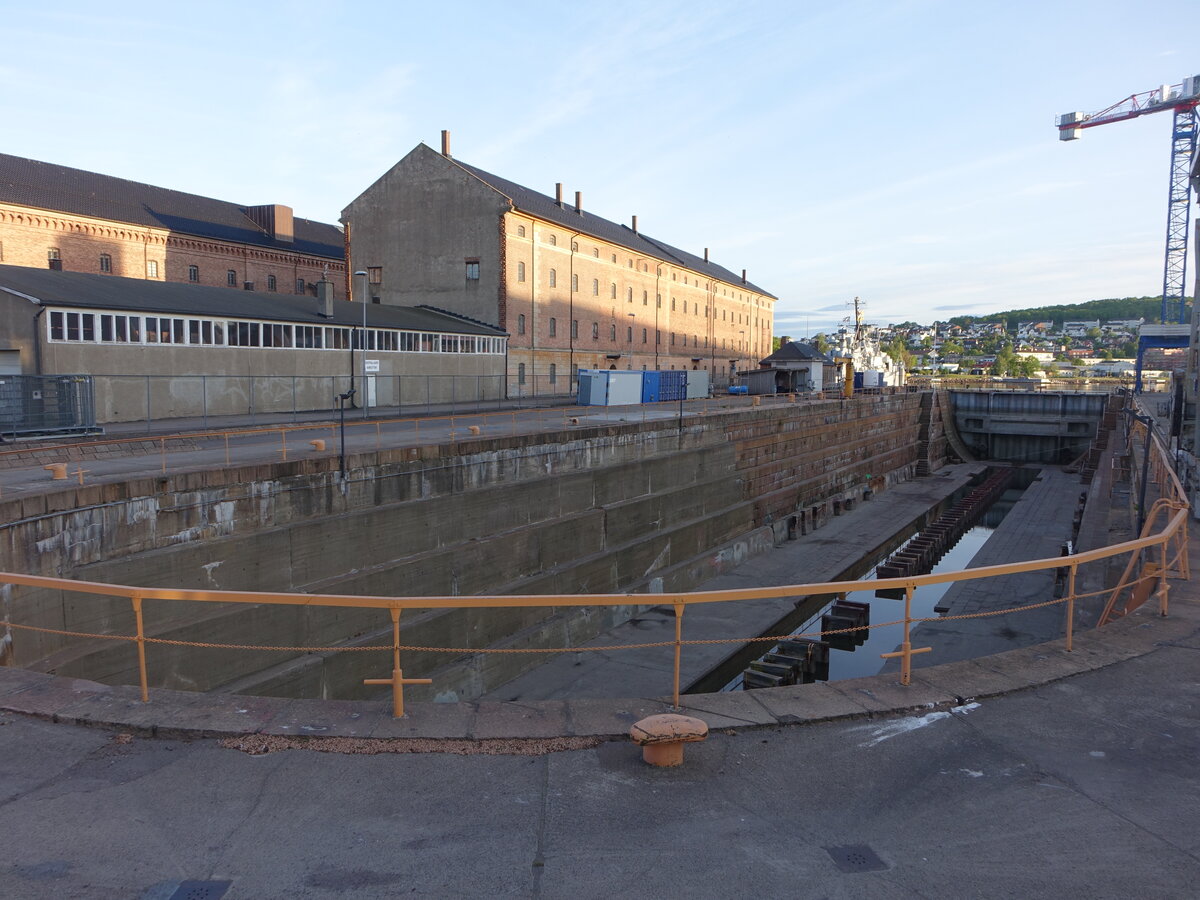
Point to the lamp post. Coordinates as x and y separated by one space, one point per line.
366 395
360 284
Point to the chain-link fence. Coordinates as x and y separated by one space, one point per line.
45 404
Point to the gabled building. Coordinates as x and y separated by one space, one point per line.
572 289
56 217
798 366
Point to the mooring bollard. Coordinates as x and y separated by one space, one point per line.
662 737
58 471
318 445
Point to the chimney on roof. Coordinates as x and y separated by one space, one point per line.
579 202
446 144
558 193
743 276
325 298
276 220
635 224
706 254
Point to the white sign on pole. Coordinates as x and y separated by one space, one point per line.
370 365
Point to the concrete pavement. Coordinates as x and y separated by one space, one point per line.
1083 786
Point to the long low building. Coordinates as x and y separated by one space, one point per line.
158 346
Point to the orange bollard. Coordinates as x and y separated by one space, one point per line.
318 445
58 471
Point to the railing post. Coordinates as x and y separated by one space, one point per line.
679 607
906 660
1071 607
141 648
397 678
1162 581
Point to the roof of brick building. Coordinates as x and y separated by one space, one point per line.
566 215
51 187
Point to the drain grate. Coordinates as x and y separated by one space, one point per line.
200 890
856 858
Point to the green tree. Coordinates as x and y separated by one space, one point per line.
821 343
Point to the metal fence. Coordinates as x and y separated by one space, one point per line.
46 404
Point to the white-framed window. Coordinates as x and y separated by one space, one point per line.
152 268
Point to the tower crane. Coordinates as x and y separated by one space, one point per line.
1181 99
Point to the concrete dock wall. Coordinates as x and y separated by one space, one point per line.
642 507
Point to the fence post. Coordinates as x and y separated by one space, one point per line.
293 399
679 607
204 398
147 403
252 399
1162 580
1071 607
141 648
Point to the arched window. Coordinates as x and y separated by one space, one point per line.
520 231
629 294
630 335
595 331
553 327
574 284
520 271
553 278
521 324
612 333
614 290
552 240
643 335
595 287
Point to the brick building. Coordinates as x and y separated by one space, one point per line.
573 290
61 218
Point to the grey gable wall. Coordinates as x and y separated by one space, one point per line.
421 221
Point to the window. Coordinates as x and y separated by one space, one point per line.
553 327
595 331
657 336
672 339
672 304
105 263
552 240
553 373
553 278
193 273
53 254
595 287
152 268
629 334
520 271
520 373
614 257
575 246
374 274
300 286
643 335
596 252
629 294
521 324
231 278
472 269
574 284
613 289
612 333
575 328
271 285
520 231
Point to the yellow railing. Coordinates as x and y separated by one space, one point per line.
1162 552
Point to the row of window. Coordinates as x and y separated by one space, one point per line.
231 276
121 328
552 239
612 333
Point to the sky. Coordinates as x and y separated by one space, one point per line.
902 152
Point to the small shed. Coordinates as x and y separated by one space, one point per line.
798 366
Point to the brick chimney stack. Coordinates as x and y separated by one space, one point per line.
446 144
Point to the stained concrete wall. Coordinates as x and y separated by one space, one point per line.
640 507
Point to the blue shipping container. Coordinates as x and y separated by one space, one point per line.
651 384
672 385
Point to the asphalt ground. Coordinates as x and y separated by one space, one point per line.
1082 787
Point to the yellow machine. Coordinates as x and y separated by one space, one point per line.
848 378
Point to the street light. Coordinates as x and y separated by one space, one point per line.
363 340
